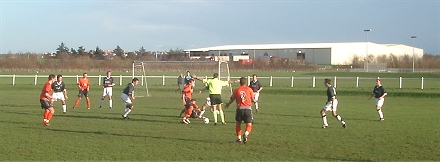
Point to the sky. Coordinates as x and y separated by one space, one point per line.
39 26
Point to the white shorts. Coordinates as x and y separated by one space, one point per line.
58 96
107 91
126 99
328 106
379 103
208 101
256 95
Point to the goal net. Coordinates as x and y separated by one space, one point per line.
138 71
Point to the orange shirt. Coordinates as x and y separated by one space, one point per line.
83 83
187 91
243 96
46 89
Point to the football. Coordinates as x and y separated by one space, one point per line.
206 120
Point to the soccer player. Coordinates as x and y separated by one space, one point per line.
60 92
46 100
187 95
127 93
215 88
204 106
331 105
187 77
379 93
107 89
84 87
180 83
190 107
256 87
243 96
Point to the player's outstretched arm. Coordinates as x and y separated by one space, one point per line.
195 77
234 81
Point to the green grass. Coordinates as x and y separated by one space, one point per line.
287 128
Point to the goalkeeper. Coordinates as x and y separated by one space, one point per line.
215 88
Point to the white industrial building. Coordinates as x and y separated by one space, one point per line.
313 53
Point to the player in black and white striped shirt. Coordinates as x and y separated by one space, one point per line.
107 89
60 92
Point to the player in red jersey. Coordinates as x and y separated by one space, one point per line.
83 85
46 100
187 95
243 96
189 108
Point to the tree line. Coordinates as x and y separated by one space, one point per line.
65 59
142 54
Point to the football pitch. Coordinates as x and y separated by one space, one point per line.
287 127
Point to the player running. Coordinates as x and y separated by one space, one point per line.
331 105
128 93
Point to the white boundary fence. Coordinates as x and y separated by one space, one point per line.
271 80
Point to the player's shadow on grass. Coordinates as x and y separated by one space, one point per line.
293 115
19 112
118 117
130 135
19 106
14 122
329 115
148 115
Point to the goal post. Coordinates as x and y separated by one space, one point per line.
223 74
138 71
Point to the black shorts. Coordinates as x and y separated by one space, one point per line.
215 99
45 104
83 93
243 115
188 102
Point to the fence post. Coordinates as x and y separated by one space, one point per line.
292 82
35 81
120 80
334 82
163 80
248 80
313 82
357 82
400 82
77 78
423 83
271 80
99 80
142 79
13 79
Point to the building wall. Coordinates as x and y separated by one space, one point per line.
315 53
